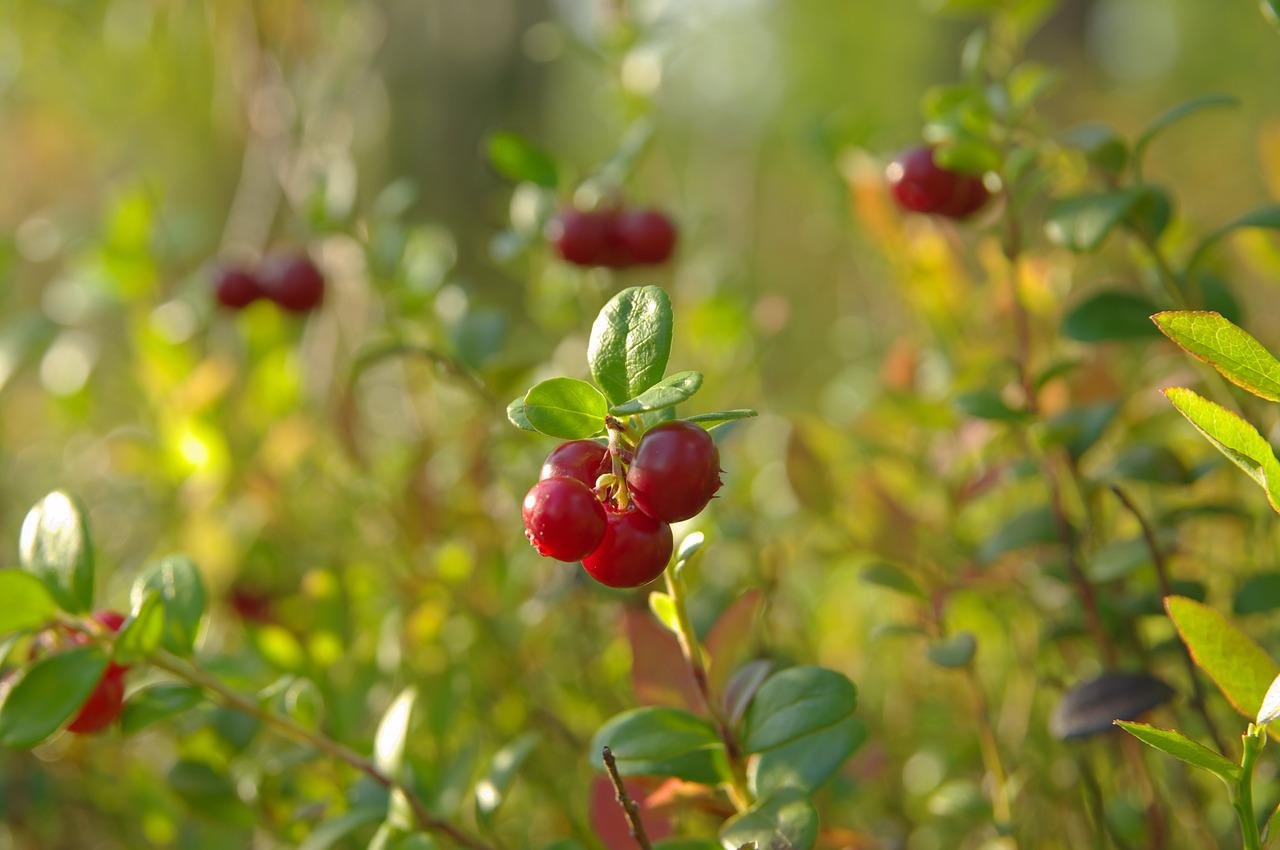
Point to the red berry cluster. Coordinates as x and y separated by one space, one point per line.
105 703
620 530
613 237
292 281
920 185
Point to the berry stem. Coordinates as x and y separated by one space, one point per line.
737 788
629 807
616 429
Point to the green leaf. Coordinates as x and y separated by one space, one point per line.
517 416
517 159
630 342
892 577
1152 464
784 819
1174 115
1241 669
155 703
142 632
331 832
806 763
1240 358
27 602
1181 747
1121 558
987 404
181 589
48 694
1267 218
393 730
664 608
1080 428
1029 528
954 651
796 702
661 741
1104 147
1110 315
1081 223
566 408
54 546
1232 436
491 791
1258 594
687 844
666 393
708 420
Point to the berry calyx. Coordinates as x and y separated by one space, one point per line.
580 237
920 185
675 472
293 282
648 236
236 288
563 519
582 460
635 550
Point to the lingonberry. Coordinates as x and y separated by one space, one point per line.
236 288
920 185
634 551
580 237
583 460
563 519
293 282
251 605
675 472
107 700
648 236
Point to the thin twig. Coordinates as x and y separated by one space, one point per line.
629 806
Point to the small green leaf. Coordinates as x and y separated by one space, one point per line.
330 832
1241 669
784 819
1081 223
808 762
1174 115
1239 357
892 577
517 416
1104 147
1234 437
27 602
48 694
491 791
796 702
954 651
566 408
1181 747
54 546
1030 528
1258 594
177 580
517 159
630 342
658 741
1267 218
666 393
987 404
664 608
142 632
393 730
155 703
708 420
1110 315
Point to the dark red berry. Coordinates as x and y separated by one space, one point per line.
236 288
920 185
583 460
579 237
648 235
634 551
293 282
675 472
103 706
254 606
563 519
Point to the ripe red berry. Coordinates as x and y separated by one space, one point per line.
251 605
920 185
293 282
579 237
582 460
236 288
634 551
675 472
103 706
563 519
648 236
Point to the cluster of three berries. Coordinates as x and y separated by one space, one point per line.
671 476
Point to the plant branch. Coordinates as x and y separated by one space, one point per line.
1242 794
629 806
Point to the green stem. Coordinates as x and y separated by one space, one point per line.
1242 795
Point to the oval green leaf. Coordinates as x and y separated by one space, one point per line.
54 546
1239 357
659 741
808 762
517 417
177 580
1234 437
630 342
954 651
1083 222
796 702
48 694
1241 669
566 408
27 604
1110 315
666 393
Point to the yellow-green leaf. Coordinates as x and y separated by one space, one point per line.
1241 669
1234 437
1240 358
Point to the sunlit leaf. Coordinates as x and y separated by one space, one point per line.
1241 669
1239 357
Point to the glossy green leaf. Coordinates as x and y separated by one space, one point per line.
796 702
784 819
1241 669
1239 357
709 420
954 651
1266 218
987 404
142 632
566 408
1081 223
517 417
892 577
393 731
54 546
630 342
155 703
661 741
517 159
27 602
48 694
808 762
668 392
177 580
1173 116
1110 315
1234 437
331 832
1181 747
1258 594
491 791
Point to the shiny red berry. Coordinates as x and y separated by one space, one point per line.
583 460
634 551
920 185
236 288
579 237
648 236
969 197
675 471
103 706
563 519
293 282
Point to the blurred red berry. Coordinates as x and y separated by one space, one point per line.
648 236
236 288
293 282
920 185
579 237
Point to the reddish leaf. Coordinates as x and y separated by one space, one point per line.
610 823
728 641
659 675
